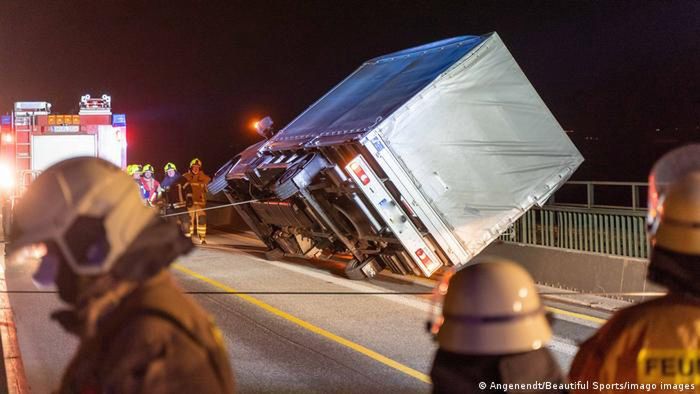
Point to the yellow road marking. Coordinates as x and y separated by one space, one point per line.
576 315
310 327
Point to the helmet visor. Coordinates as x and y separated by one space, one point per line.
671 168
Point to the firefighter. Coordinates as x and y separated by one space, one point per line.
150 184
658 341
108 256
135 171
197 182
491 328
175 189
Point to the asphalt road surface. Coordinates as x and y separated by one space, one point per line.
290 326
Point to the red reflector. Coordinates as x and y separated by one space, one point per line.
424 258
357 169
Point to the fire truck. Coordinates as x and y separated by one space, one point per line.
32 138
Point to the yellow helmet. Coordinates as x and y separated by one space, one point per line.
148 167
674 201
169 166
490 307
132 169
195 162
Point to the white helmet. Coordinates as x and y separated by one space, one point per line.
673 217
489 308
86 209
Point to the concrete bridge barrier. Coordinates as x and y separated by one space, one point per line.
580 271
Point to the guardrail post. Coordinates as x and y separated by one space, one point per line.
635 197
589 192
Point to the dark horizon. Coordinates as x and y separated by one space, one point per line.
192 76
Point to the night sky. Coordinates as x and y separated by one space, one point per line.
192 75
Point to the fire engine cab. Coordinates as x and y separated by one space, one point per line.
33 138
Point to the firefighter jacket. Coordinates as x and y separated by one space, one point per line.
461 373
198 182
156 340
142 190
152 188
649 343
175 191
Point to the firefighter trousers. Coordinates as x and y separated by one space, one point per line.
178 217
198 221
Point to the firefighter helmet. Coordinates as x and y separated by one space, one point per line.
170 166
148 167
195 162
491 307
94 215
132 169
674 201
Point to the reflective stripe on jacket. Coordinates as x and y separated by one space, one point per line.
151 187
198 184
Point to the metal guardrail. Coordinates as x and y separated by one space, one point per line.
630 202
618 230
608 233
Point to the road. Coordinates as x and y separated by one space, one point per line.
291 326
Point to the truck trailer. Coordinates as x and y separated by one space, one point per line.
416 161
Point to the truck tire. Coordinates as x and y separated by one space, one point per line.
274 255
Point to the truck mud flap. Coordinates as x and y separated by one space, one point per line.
367 269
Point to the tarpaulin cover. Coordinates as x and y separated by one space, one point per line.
373 92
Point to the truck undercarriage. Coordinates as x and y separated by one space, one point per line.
308 206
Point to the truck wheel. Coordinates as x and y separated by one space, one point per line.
274 254
365 270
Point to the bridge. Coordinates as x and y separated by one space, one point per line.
298 325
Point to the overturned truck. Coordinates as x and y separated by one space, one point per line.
417 160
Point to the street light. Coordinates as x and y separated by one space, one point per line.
264 127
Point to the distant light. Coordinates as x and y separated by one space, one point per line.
7 179
264 127
7 138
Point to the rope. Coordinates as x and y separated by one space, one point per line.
210 208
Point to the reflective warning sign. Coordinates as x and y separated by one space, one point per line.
668 366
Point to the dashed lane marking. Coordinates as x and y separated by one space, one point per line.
310 327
